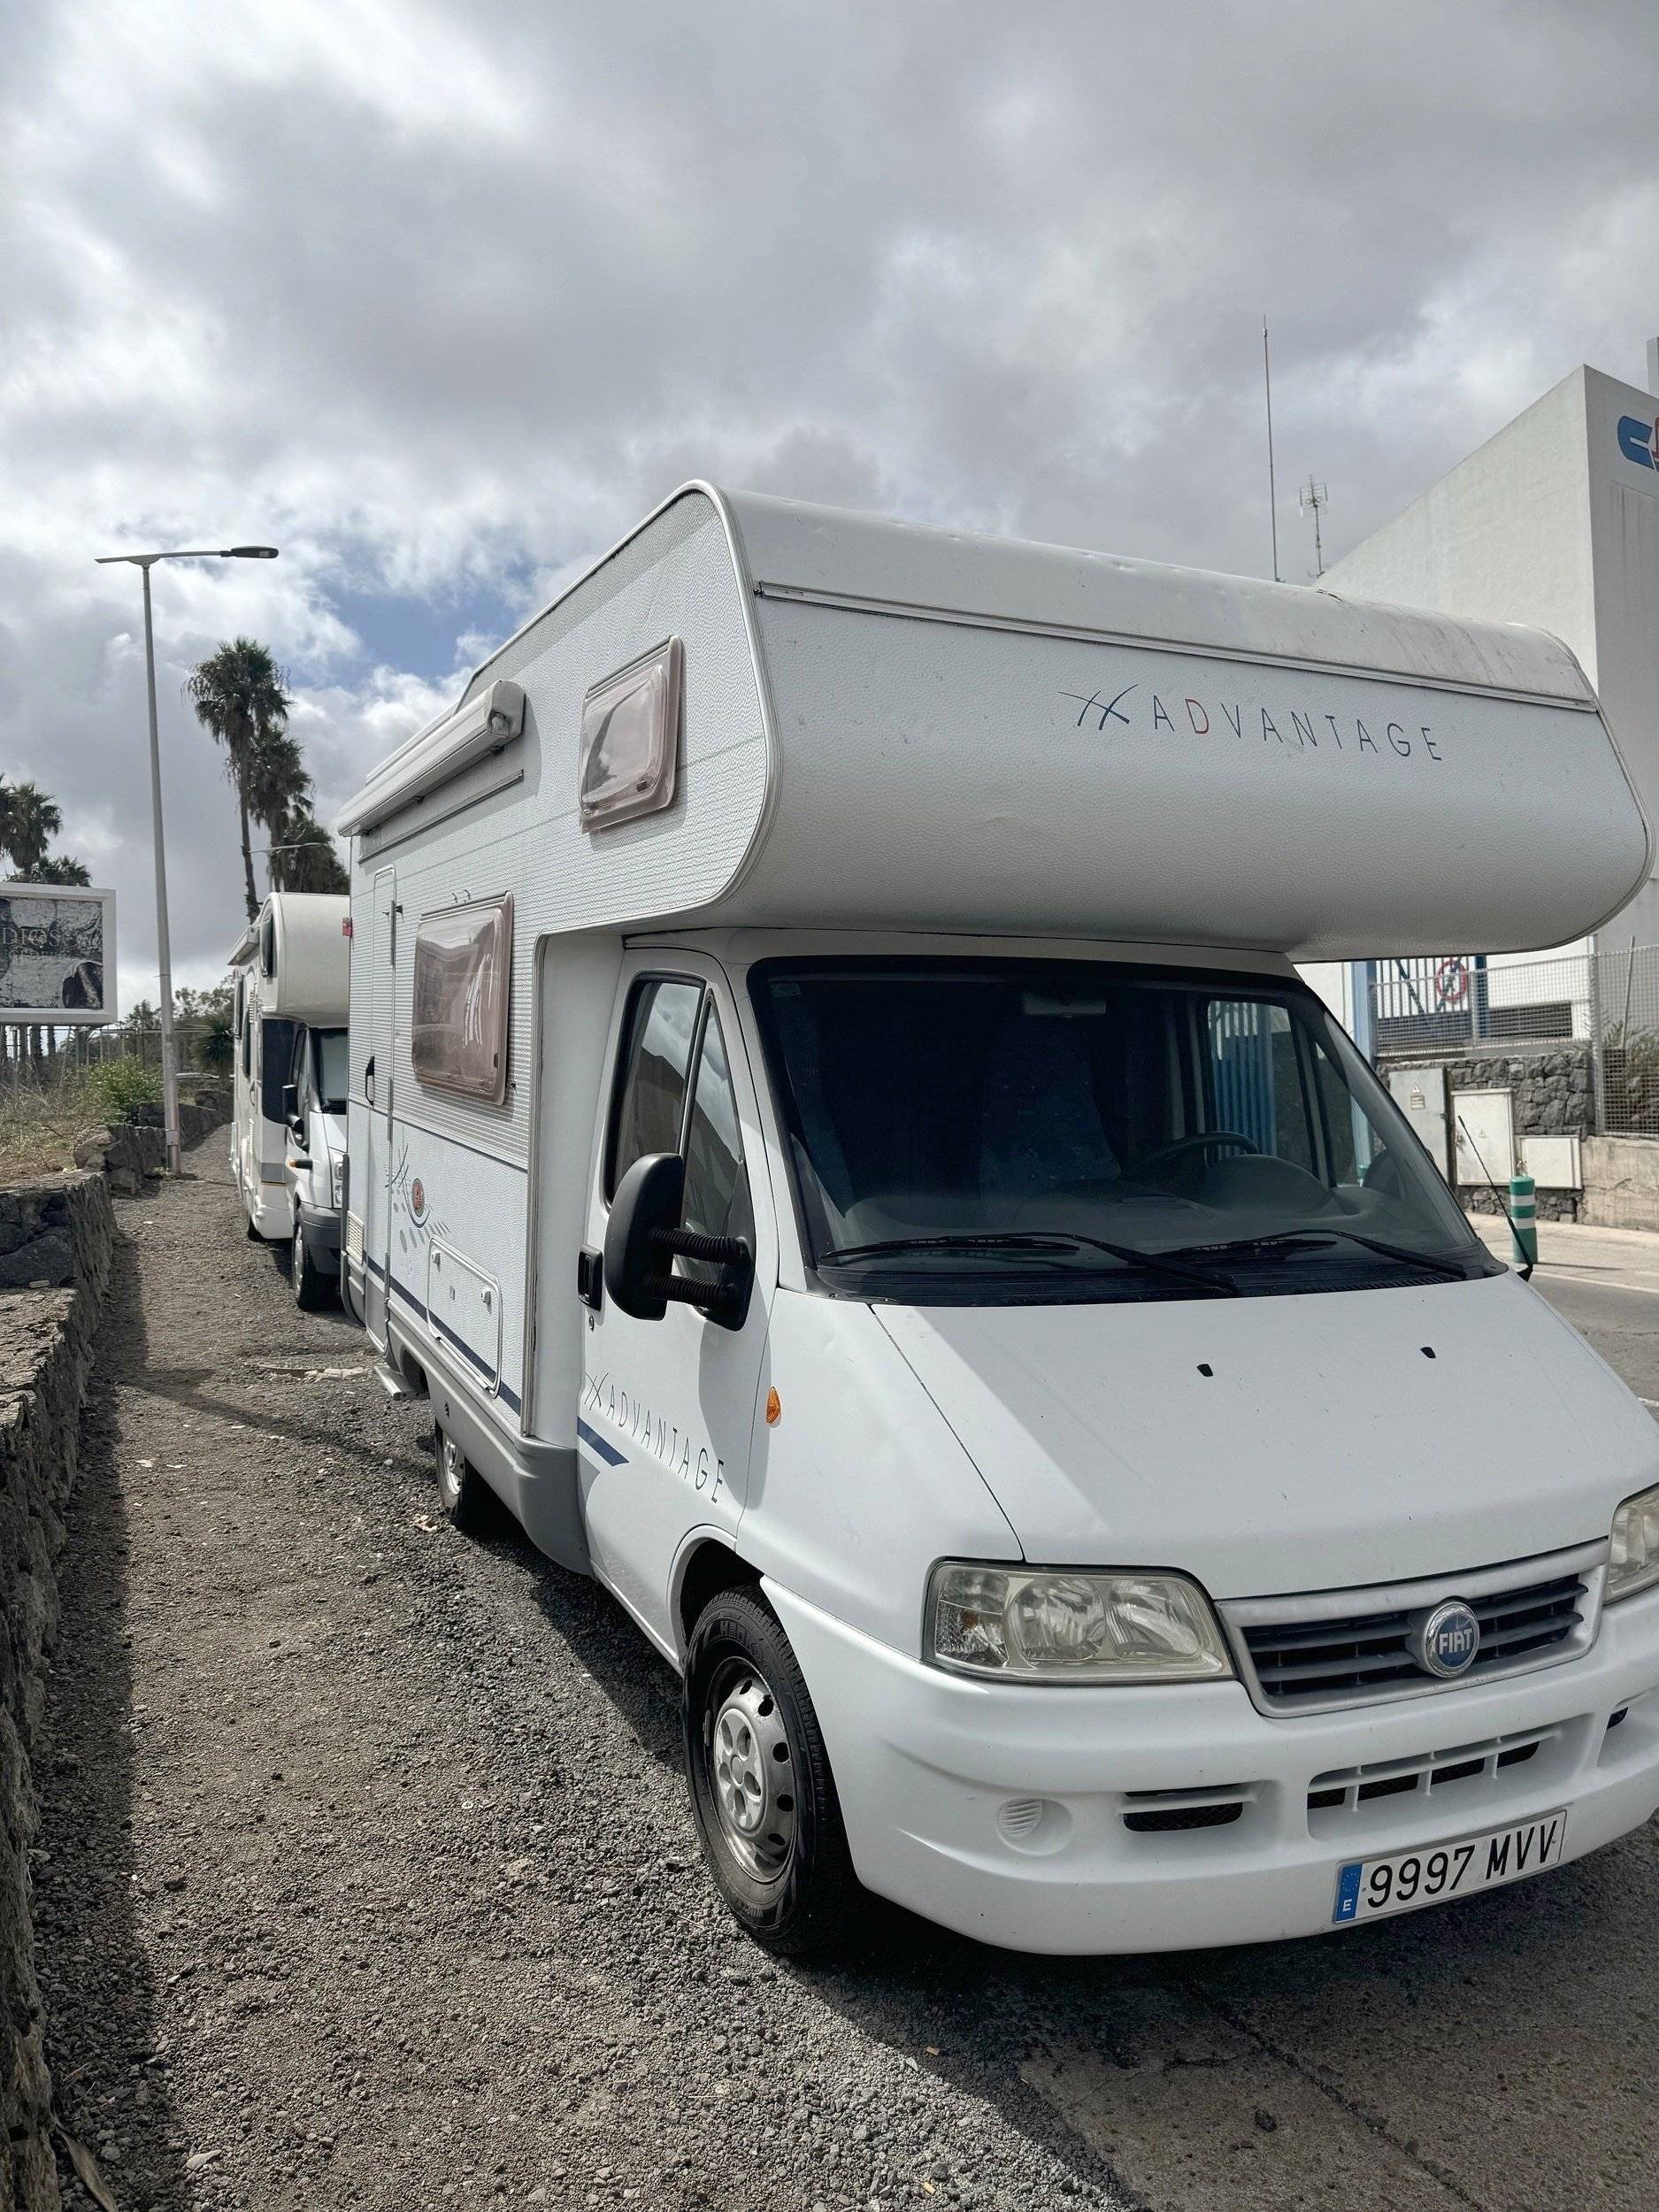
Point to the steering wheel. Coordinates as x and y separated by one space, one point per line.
1211 1141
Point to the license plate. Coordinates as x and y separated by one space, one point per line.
1368 1889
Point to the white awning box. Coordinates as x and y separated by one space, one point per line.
889 727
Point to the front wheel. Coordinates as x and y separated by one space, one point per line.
761 1786
312 1289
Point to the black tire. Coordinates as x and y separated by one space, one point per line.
790 1884
250 1231
462 1491
312 1288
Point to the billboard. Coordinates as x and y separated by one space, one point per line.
57 955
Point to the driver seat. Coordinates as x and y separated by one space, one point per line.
1040 1123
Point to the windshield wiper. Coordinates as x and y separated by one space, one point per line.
1020 1240
1308 1240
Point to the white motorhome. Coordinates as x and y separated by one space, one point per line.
837 1132
290 977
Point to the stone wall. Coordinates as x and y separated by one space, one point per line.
133 1149
1554 1095
1554 1092
60 1232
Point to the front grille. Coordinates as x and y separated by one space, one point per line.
1303 1654
1344 1790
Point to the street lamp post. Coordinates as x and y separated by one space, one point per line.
144 563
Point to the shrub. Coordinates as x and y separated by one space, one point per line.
116 1089
216 1047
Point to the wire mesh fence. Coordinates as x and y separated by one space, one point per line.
1602 1004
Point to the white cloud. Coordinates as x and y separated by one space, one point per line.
441 297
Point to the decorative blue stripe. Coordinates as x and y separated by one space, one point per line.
595 1443
509 1397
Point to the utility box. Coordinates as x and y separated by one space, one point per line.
1483 1134
1554 1163
1421 1095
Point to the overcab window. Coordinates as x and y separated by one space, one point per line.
463 965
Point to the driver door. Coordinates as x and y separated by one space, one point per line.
668 1407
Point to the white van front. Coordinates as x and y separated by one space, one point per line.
315 1108
1268 1529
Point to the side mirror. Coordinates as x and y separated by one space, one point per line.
648 1201
290 1102
644 1237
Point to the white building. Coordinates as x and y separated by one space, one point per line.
1554 521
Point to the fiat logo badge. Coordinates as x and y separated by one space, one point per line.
1445 1641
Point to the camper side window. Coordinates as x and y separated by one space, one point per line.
458 1032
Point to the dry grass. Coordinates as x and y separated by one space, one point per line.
38 1144
39 1130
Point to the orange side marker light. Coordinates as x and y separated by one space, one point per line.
774 1409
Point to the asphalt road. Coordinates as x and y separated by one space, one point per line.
369 1882
1621 1321
1606 1282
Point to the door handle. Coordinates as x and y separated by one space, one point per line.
590 1277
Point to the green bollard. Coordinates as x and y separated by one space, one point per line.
1524 1219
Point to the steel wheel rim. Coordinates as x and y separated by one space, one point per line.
298 1267
751 1771
451 1466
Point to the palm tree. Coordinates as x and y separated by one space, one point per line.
303 858
61 868
28 823
238 695
277 783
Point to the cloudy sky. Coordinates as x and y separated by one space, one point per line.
439 296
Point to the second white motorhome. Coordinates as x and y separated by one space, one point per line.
838 1134
290 979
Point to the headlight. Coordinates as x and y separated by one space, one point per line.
1633 1560
1036 1624
338 1179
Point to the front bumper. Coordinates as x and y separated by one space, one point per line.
271 1210
321 1224
929 1766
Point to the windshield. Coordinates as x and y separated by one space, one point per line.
1002 1130
331 1064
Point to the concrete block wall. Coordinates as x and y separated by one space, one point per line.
130 1150
1621 1182
59 1230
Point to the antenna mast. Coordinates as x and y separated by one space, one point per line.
1311 499
1273 495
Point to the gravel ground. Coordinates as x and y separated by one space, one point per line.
368 1875
371 1881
